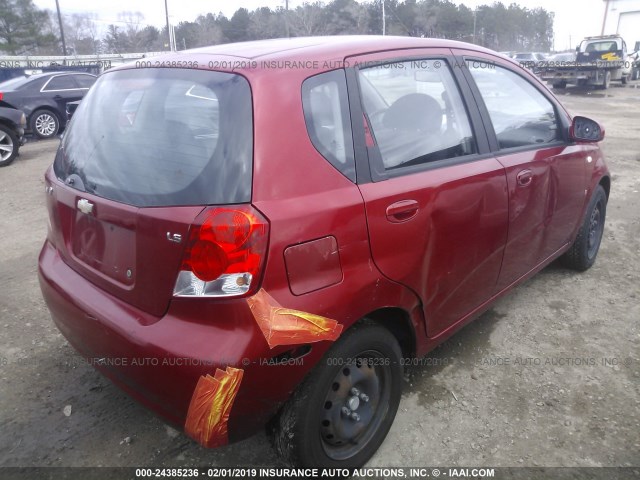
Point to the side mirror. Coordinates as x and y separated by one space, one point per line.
584 129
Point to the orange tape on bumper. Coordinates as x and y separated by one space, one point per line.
210 406
283 326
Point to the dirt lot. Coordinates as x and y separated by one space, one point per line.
549 377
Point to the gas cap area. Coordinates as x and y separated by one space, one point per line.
313 265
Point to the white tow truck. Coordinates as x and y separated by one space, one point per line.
599 61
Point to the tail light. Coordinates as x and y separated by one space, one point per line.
1 96
53 218
225 253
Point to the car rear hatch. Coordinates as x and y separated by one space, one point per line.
148 151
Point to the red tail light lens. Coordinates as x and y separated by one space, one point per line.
225 253
1 96
208 260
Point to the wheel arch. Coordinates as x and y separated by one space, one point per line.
605 183
398 322
5 122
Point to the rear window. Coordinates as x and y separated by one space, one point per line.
160 137
14 83
608 46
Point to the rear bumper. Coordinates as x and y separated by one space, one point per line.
159 361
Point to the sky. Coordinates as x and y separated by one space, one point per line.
574 19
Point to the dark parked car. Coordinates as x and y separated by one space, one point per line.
269 232
562 58
530 60
12 124
71 108
43 98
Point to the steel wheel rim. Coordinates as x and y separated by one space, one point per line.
45 125
595 230
363 388
6 146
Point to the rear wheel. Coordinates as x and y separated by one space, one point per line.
9 146
44 124
606 81
560 85
582 254
342 412
625 79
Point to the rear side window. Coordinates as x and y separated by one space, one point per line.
326 114
159 137
520 114
63 82
416 113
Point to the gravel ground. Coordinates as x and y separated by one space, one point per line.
549 377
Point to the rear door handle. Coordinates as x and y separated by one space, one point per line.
402 211
524 178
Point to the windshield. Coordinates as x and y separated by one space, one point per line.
159 137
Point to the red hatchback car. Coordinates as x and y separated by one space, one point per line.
265 233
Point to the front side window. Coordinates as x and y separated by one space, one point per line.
415 113
326 114
520 113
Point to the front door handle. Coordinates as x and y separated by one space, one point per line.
524 178
402 211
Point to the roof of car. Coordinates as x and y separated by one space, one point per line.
320 48
28 78
316 53
47 74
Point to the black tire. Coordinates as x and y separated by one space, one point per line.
582 254
361 372
9 145
560 85
606 81
44 123
625 79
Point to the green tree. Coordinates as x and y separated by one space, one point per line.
24 29
267 23
115 40
308 19
237 29
187 35
209 30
